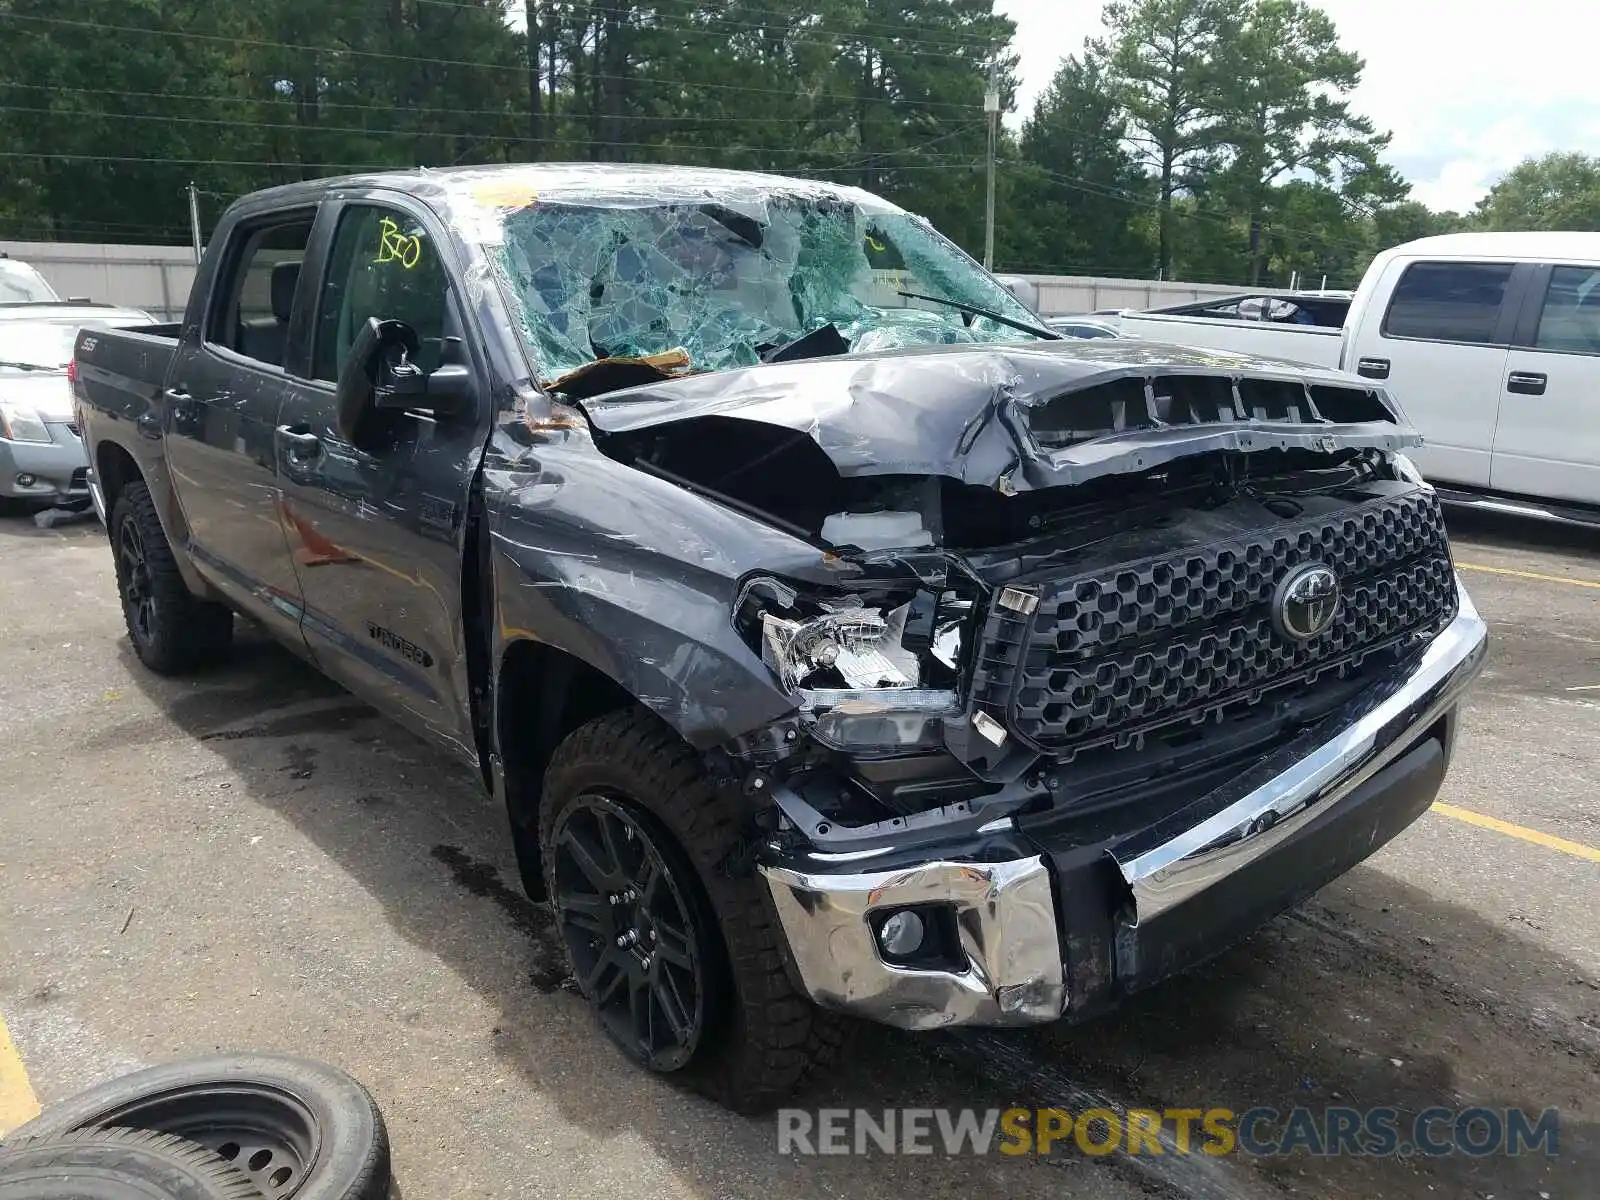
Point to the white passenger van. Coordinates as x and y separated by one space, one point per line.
1490 342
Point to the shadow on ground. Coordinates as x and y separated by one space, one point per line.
1315 1010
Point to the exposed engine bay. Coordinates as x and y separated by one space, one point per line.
1039 560
890 669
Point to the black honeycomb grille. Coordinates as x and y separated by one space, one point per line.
1116 653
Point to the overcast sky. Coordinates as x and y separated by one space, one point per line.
1469 88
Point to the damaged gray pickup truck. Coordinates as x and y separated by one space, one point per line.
838 640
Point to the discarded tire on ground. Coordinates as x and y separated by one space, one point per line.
117 1164
293 1127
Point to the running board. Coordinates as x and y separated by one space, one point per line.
1538 510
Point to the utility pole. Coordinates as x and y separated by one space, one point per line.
194 222
991 110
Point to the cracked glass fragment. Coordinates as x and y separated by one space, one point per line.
609 263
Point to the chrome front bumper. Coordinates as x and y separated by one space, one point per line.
1005 911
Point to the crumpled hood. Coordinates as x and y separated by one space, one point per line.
46 392
962 411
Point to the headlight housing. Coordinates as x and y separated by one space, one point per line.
868 673
1406 469
19 423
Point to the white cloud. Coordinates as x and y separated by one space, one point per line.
1469 88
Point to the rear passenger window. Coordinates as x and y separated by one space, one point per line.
1448 302
255 296
1570 319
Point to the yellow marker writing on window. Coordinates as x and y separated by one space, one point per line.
397 247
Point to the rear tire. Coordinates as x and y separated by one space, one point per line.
172 630
751 1037
118 1164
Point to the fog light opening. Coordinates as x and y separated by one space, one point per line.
919 937
901 934
26 480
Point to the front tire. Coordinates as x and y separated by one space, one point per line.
172 630
682 962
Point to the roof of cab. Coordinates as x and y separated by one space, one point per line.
1521 247
601 184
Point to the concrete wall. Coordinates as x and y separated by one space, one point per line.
154 278
1061 295
157 278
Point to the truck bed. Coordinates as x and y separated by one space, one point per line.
122 371
1293 343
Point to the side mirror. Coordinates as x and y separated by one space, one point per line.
380 372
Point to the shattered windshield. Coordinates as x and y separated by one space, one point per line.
730 283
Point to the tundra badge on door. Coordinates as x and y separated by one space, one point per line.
390 640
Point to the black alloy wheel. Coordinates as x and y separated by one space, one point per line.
626 922
172 629
133 570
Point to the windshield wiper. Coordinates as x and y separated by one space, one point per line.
1036 330
22 366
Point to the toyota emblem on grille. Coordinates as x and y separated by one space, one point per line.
1305 602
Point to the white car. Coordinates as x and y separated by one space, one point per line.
1490 342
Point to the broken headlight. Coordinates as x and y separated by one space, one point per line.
868 673
863 645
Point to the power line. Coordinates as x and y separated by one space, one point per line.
789 25
351 167
1110 193
422 133
518 68
518 114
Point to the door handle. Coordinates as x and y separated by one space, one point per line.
1373 368
1527 383
301 441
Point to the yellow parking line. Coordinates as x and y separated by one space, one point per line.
1550 842
17 1101
1588 583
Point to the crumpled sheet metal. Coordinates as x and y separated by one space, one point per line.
954 411
604 260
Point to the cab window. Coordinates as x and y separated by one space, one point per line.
1570 318
254 296
1449 302
383 264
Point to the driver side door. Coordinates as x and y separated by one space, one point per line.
376 525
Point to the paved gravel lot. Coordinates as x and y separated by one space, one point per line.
252 859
